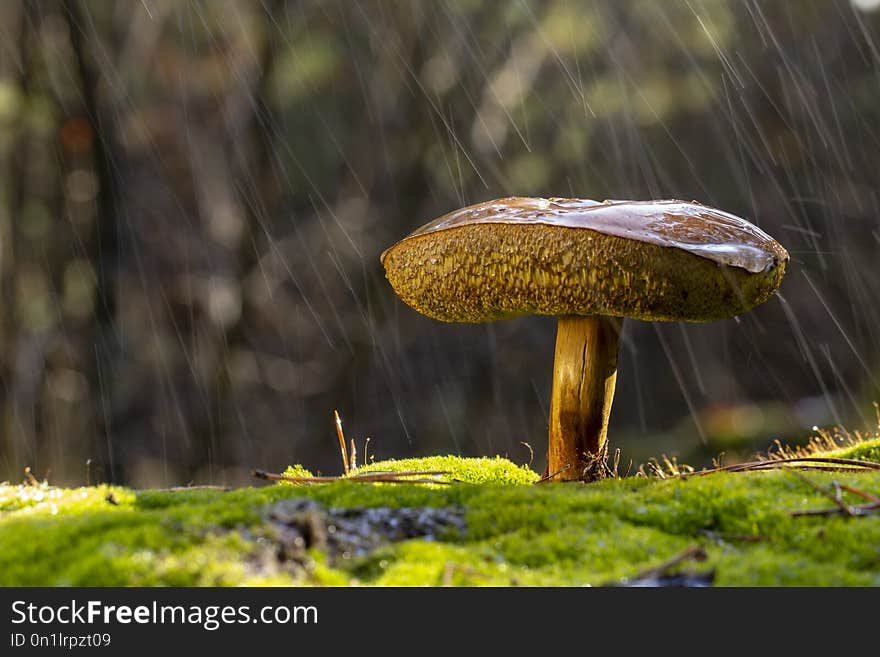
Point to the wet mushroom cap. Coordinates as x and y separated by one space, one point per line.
654 260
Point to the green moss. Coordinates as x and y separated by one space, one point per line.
107 536
562 534
867 450
297 471
472 470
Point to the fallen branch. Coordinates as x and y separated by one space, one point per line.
822 464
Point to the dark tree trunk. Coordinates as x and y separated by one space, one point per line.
104 243
18 416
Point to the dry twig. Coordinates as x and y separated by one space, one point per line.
837 499
30 479
721 536
548 477
822 463
413 477
531 451
857 510
181 489
841 507
695 552
341 437
451 568
865 495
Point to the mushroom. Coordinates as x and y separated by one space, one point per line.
590 264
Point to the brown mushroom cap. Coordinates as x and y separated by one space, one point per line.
654 260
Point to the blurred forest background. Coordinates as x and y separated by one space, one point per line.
194 196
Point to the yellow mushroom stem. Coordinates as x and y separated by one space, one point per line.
584 375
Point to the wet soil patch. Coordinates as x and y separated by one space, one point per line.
296 526
680 580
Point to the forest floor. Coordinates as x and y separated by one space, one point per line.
488 525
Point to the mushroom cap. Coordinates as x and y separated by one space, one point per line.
649 260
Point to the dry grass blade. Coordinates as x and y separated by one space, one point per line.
615 464
826 440
664 468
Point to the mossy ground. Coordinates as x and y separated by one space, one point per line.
517 533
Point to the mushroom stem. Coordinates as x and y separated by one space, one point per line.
584 375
